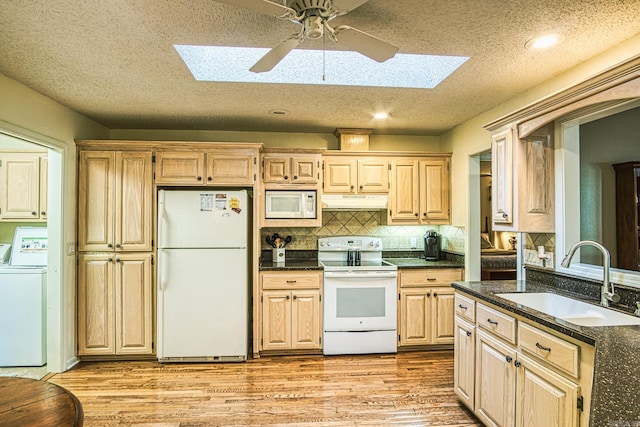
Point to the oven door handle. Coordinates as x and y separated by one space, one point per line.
367 275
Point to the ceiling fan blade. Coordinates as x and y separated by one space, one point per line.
364 43
275 55
263 6
347 5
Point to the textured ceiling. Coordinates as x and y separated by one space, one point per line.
114 61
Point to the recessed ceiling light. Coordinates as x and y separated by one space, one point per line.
543 42
278 112
381 115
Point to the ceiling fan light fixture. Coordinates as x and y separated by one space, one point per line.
381 115
313 27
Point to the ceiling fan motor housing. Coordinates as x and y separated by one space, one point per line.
308 8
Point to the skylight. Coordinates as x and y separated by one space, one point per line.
303 66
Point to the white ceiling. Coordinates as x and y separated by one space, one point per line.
114 61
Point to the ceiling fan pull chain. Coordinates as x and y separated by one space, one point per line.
324 61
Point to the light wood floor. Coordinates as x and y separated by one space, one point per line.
407 389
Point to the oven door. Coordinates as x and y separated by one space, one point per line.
360 301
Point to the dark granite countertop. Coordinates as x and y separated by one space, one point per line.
420 263
290 264
616 380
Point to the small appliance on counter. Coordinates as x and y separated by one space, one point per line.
431 246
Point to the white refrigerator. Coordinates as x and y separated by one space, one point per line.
202 276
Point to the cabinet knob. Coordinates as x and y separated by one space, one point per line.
352 187
117 259
34 213
110 260
295 176
109 245
209 178
509 359
361 187
43 213
199 178
435 294
286 177
468 333
429 295
504 215
424 214
517 364
416 214
118 245
288 297
295 297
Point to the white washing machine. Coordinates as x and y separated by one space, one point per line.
23 300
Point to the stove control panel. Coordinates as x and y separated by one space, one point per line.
345 243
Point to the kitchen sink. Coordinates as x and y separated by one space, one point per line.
571 310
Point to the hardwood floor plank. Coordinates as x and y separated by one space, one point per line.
405 389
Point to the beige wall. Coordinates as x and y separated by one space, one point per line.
34 117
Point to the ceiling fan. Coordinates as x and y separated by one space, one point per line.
314 16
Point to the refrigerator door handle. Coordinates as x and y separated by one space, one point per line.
163 269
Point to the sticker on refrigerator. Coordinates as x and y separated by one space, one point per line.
206 202
234 204
221 202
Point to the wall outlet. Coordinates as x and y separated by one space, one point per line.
414 243
71 248
531 258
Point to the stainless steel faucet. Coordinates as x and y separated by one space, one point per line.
605 294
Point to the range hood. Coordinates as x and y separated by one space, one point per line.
370 202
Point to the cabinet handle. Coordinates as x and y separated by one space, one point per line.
492 322
118 245
517 364
435 294
352 187
117 259
431 279
34 213
291 281
424 214
295 297
110 260
462 307
209 178
43 213
199 178
541 347
361 187
288 297
295 176
109 245
504 215
286 177
468 333
416 214
509 359
429 295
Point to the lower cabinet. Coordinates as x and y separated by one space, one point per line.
291 303
535 378
426 309
115 304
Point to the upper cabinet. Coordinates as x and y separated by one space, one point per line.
115 201
23 186
356 175
420 190
223 166
523 180
291 169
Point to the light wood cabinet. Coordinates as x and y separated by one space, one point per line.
348 175
420 191
223 166
521 375
290 168
426 306
114 201
523 181
291 310
23 187
115 304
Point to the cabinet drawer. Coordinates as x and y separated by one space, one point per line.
465 307
551 349
291 280
430 277
499 324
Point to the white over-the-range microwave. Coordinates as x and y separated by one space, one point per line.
285 204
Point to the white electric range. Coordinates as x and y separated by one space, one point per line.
360 308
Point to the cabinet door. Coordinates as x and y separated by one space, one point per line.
134 191
434 191
373 176
96 322
180 167
227 168
442 315
305 319
495 382
340 175
464 362
404 201
44 186
415 306
96 200
133 300
19 181
502 177
544 398
276 169
304 169
276 320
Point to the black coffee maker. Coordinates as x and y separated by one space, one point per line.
431 246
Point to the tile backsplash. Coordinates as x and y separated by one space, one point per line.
365 223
